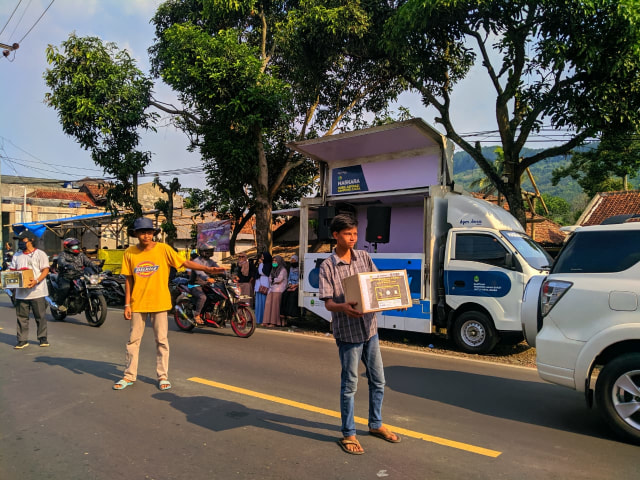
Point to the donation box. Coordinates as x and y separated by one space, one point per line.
377 291
16 278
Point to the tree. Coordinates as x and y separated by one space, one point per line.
166 208
559 209
617 155
574 64
102 100
254 76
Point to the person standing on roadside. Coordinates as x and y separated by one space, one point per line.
32 296
146 269
261 287
277 285
356 334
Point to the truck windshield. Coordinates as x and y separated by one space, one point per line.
532 253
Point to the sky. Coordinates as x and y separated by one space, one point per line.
31 139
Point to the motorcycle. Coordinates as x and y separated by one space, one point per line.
113 288
224 304
12 295
86 294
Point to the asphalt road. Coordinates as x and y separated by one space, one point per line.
265 408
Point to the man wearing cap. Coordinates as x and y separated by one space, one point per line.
146 269
33 294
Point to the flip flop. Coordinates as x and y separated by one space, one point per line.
164 385
122 384
344 442
387 435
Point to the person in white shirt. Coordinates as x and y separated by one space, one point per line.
32 296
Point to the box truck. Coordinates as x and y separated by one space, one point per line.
467 260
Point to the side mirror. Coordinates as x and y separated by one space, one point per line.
508 260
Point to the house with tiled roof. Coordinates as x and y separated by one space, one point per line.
97 191
66 198
608 204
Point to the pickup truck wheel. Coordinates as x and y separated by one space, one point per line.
618 395
473 332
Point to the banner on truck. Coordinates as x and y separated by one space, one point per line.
216 234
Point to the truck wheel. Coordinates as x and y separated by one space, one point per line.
473 332
618 395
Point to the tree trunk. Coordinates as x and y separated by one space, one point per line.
263 200
512 193
237 228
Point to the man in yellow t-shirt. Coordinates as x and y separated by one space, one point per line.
146 268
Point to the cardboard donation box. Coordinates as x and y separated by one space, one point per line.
16 278
377 291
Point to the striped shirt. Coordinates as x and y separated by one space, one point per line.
332 271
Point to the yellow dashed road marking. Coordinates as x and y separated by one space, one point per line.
362 421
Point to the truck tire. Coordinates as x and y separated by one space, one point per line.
618 395
473 332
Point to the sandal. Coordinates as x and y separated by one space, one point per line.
164 385
122 384
198 320
385 434
344 444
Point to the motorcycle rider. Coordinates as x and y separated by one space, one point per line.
200 278
71 264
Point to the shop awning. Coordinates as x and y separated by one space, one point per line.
79 221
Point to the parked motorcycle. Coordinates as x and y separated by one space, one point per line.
223 305
85 295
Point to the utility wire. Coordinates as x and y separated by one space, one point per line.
11 16
20 20
40 17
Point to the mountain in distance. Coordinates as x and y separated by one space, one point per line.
465 171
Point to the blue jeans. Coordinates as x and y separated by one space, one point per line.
350 356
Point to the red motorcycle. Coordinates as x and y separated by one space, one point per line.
224 304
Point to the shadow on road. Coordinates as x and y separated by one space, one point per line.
80 366
535 403
220 415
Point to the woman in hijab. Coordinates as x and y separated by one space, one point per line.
261 288
278 284
290 296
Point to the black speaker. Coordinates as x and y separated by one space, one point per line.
325 215
378 224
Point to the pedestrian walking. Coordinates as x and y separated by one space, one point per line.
32 295
146 268
356 334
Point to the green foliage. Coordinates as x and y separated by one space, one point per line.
574 64
101 98
254 76
604 168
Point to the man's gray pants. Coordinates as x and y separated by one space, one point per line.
38 307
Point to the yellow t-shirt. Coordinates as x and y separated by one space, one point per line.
150 272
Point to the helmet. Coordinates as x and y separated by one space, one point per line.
206 249
71 244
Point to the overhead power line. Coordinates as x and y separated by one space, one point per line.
36 22
10 17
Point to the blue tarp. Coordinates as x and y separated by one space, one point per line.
38 228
